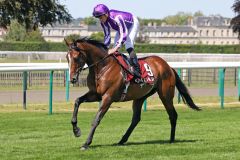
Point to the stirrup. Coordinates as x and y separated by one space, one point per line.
136 74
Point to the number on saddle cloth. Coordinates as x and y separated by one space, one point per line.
147 74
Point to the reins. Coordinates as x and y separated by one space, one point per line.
96 63
114 56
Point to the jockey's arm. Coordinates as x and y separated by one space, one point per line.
107 36
113 50
122 34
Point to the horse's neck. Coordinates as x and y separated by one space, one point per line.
97 57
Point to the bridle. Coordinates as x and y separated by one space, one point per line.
81 68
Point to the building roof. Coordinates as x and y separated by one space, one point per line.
169 29
211 21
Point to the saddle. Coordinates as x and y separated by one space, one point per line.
146 72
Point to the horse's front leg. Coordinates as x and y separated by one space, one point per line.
105 104
88 97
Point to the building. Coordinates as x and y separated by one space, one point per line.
212 30
57 32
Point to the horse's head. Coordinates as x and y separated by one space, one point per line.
76 58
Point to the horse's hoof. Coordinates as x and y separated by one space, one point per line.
171 141
84 148
77 132
121 143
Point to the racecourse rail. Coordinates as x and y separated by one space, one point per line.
51 67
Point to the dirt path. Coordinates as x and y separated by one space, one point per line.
36 96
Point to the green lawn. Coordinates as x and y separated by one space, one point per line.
210 134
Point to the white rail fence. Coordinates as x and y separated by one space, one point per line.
51 67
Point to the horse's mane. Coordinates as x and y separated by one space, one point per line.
91 41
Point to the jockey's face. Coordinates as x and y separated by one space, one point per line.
103 18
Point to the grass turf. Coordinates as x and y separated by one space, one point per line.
210 134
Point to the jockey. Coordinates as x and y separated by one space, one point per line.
126 26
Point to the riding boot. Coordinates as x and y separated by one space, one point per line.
134 63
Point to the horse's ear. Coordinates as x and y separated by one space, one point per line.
67 43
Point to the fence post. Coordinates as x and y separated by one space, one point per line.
25 90
67 85
221 75
189 77
179 74
50 92
238 84
145 105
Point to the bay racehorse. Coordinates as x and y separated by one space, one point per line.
106 83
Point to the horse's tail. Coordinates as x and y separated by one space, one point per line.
184 92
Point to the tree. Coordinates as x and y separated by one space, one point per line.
198 14
32 13
235 21
34 36
180 18
144 22
99 36
90 21
17 32
72 37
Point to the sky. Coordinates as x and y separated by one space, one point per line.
156 9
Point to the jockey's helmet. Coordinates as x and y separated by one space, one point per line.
99 10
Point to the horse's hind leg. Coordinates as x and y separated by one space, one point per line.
166 95
137 107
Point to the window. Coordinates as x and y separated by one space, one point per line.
214 33
222 31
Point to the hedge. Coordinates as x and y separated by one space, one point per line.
140 48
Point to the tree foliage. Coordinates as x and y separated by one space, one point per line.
32 13
17 32
90 21
34 36
144 22
180 18
99 36
235 21
198 14
72 37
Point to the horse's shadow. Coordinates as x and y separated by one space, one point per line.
145 143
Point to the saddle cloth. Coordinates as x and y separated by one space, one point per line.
146 72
